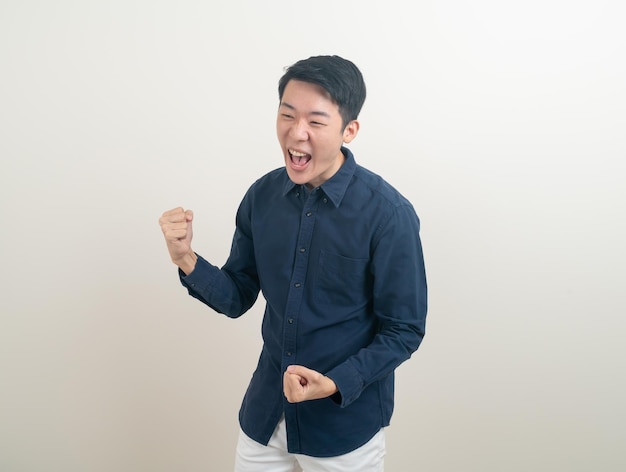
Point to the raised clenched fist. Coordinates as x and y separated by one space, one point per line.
176 225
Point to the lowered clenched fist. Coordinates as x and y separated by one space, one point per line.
177 230
301 384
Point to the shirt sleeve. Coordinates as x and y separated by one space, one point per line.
233 289
399 304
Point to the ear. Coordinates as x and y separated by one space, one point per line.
351 130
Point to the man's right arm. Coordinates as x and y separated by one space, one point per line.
231 290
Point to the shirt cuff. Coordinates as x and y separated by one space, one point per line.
200 280
348 382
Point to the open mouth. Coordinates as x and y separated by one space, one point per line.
299 158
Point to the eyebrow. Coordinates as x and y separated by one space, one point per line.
315 113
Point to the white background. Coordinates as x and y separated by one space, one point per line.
503 122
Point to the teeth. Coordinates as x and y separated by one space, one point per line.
296 153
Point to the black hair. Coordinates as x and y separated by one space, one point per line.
339 77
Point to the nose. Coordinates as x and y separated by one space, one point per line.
299 131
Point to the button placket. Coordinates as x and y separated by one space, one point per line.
298 279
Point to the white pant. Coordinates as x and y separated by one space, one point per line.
254 457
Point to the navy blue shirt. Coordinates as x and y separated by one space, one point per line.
342 273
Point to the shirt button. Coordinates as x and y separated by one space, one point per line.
308 213
290 320
302 249
297 285
297 194
289 353
325 200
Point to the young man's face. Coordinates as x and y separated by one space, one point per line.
310 132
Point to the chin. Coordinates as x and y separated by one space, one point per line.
295 178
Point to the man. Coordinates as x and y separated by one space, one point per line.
336 252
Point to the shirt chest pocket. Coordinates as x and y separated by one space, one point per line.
342 281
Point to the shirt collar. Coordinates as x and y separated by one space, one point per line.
335 187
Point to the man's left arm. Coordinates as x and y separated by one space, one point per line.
399 303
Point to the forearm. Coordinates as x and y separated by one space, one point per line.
229 293
389 348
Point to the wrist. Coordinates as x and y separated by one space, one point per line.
332 386
187 263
